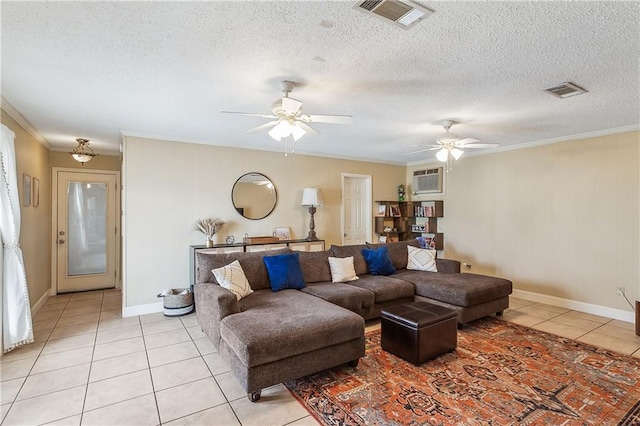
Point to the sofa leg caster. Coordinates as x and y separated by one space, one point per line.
254 396
460 326
499 314
354 363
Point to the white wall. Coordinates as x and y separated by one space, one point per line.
168 185
560 220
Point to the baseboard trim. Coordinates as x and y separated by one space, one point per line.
603 311
149 308
39 304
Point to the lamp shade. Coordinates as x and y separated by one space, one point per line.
312 197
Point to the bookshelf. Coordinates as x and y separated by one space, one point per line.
404 220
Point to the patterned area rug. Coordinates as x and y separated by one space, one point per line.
500 374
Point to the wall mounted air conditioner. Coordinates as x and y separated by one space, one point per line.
428 181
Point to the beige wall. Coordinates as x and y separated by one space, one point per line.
32 158
168 185
560 220
101 162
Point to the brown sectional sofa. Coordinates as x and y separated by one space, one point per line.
270 337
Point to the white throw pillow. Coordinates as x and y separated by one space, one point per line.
342 269
421 259
232 278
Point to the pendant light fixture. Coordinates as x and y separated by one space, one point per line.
83 152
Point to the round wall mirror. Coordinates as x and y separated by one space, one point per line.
254 196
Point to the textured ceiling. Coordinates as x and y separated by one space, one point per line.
167 69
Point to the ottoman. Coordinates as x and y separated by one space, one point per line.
419 331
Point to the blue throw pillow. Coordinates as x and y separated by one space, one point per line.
284 271
378 261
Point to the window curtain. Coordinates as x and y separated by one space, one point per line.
17 328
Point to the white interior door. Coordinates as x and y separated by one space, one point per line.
356 203
86 231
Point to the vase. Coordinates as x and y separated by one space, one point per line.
209 243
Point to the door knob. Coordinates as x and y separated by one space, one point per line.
61 241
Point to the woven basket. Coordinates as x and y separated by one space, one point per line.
177 302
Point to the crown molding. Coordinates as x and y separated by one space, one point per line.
532 144
19 118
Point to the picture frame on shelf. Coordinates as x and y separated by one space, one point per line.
382 239
382 210
282 233
395 210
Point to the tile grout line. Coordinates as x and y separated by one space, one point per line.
153 387
93 351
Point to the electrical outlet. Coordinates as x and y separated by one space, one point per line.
621 291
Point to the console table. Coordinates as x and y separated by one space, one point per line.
295 245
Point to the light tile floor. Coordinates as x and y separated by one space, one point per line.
90 366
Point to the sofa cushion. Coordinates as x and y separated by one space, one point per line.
458 289
315 266
421 259
398 251
342 269
378 261
273 326
232 278
348 296
385 288
252 265
284 271
358 260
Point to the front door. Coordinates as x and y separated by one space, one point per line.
356 202
86 232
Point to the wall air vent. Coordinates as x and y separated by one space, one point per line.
404 14
566 90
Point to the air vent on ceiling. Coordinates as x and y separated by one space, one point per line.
404 13
566 90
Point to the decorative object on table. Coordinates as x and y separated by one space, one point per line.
36 192
538 378
209 227
230 239
83 152
312 197
401 192
26 190
260 240
282 233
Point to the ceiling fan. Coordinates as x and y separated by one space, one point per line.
288 118
451 145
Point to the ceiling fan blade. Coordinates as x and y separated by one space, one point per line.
481 145
463 142
310 130
324 118
432 148
291 106
251 114
263 127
